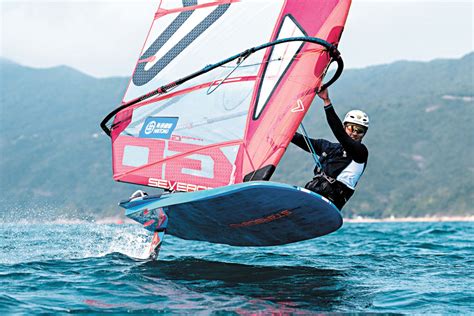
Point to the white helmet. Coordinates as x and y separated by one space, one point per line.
357 117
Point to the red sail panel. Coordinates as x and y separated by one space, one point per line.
192 139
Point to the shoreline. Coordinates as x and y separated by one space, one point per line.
120 220
427 219
360 219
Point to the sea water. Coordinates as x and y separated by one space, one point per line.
414 268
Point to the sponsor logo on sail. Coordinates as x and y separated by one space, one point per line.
158 127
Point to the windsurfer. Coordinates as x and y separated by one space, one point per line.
343 163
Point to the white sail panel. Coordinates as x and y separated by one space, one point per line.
223 20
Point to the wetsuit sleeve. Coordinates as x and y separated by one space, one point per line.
357 150
299 140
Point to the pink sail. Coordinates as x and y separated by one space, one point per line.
234 123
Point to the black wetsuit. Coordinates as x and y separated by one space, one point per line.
342 163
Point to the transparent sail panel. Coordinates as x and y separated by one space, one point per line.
200 118
282 55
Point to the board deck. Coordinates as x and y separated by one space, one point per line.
256 213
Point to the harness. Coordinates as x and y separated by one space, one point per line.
321 174
330 188
323 184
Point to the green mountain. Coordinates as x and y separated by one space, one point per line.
53 153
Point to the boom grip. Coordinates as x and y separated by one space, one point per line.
337 74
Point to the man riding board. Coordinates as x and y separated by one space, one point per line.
343 163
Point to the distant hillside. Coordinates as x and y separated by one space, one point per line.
53 151
420 140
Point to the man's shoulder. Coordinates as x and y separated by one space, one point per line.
364 152
328 144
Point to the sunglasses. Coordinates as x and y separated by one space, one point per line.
356 129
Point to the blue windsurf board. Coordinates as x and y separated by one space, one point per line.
258 213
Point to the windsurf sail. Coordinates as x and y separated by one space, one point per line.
194 118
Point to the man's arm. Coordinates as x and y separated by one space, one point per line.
301 141
356 149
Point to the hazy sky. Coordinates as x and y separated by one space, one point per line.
104 38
